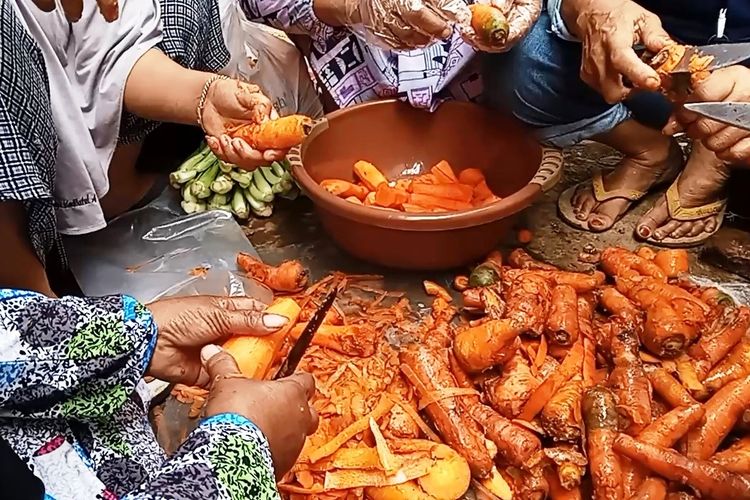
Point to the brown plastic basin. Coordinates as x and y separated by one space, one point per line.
396 137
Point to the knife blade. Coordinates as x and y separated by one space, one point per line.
736 114
725 54
305 339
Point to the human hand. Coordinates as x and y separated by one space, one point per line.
521 16
609 29
279 408
731 144
73 9
186 324
230 103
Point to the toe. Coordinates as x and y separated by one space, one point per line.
698 228
682 230
666 230
711 224
600 222
651 220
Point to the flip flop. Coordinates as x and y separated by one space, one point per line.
679 213
565 205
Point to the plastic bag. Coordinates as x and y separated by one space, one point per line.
156 252
267 57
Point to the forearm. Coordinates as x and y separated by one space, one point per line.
225 453
159 89
314 18
21 267
330 11
78 358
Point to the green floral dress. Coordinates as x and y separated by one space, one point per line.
74 408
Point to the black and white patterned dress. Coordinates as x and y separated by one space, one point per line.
192 37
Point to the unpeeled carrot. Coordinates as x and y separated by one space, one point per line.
471 176
255 355
708 479
490 24
714 345
672 426
735 365
666 386
369 174
282 133
653 488
458 192
673 262
736 458
443 172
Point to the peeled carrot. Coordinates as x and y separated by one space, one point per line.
413 209
369 174
708 479
432 202
353 199
443 172
673 262
282 133
344 189
483 192
470 176
255 355
490 24
458 192
388 197
369 199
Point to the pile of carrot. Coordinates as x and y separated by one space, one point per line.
527 382
439 190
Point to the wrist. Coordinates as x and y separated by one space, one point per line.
572 13
208 91
332 12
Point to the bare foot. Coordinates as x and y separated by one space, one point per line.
701 182
648 157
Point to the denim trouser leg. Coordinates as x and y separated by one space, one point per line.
539 83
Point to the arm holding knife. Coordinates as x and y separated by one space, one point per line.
730 143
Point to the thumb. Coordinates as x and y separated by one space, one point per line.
218 362
652 34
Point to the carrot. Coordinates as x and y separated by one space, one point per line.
623 263
353 199
388 197
509 392
647 253
282 133
486 345
383 407
528 301
619 305
735 365
344 189
652 488
490 24
581 282
482 193
414 209
516 445
736 458
561 416
458 192
628 380
722 412
672 426
562 322
557 491
369 174
600 416
443 173
673 262
665 333
352 340
708 479
404 184
520 259
289 276
470 176
433 202
524 236
369 199
570 366
255 355
666 386
588 370
714 345
460 283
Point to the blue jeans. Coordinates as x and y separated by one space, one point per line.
539 83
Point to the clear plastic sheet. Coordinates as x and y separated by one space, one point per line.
156 252
738 290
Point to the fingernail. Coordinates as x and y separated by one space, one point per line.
225 140
209 351
644 232
274 321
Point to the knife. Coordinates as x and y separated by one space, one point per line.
303 342
736 114
722 55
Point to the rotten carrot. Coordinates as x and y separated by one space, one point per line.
715 344
562 321
708 479
628 379
600 416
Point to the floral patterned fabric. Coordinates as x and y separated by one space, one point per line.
71 408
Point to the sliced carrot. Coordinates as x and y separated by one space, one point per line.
344 189
388 197
458 192
471 176
443 172
369 174
482 191
403 184
353 199
489 201
433 202
369 199
425 179
414 209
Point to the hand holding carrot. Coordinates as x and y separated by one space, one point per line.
231 104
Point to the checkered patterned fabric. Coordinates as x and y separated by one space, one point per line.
28 141
192 38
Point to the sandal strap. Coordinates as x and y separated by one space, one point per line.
683 214
601 194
